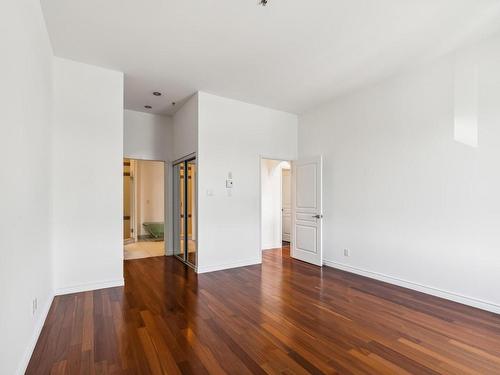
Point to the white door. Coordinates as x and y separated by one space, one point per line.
286 205
307 210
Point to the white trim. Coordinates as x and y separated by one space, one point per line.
469 301
90 286
220 267
271 246
34 338
185 158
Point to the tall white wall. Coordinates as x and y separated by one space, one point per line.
25 106
147 136
414 206
185 129
87 184
232 138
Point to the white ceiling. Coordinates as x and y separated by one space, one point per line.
290 55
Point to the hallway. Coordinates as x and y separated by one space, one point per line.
283 316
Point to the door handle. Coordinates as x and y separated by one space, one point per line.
319 216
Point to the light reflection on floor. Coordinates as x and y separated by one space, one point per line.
144 249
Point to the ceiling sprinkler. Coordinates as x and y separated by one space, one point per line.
263 2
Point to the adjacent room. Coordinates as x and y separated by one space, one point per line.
276 210
143 208
250 187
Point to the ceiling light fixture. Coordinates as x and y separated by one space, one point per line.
148 107
157 93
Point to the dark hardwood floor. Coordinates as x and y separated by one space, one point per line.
282 317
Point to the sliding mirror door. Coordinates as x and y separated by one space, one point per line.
191 212
185 211
178 193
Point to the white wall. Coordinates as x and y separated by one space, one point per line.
150 193
147 136
232 138
185 129
87 185
271 170
414 206
25 256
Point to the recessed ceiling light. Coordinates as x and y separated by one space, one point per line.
148 107
157 93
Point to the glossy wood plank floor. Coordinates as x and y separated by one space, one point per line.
282 317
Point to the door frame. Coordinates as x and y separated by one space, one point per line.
281 201
184 159
166 198
133 216
132 201
279 158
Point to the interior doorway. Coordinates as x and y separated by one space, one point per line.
143 208
276 209
292 208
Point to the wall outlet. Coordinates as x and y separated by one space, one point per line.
34 305
347 252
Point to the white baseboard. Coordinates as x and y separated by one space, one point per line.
220 267
271 247
89 286
34 338
483 305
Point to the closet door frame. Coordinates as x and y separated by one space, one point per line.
184 162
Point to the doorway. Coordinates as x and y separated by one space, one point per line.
292 190
185 211
276 214
143 208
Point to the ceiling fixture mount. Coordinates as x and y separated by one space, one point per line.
263 2
148 107
157 93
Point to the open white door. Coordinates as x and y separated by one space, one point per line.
307 210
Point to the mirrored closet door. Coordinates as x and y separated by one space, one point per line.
185 211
